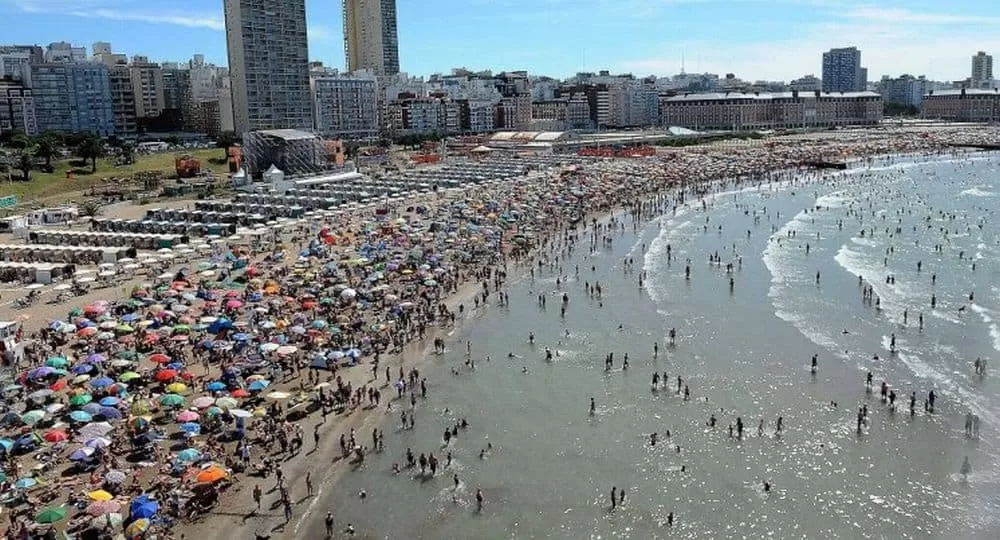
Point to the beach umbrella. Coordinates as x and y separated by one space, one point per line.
240 336
128 376
55 435
41 372
100 495
57 362
110 401
91 408
203 402
171 400
143 507
226 402
96 358
87 331
110 413
25 483
188 455
26 443
102 382
92 430
241 393
58 385
51 514
186 416
140 407
269 347
40 395
124 328
80 416
98 442
211 475
257 386
80 400
285 350
212 411
216 386
80 379
121 362
102 507
159 358
82 368
140 423
137 528
177 388
32 417
114 477
278 396
165 375
240 413
113 519
82 453
190 427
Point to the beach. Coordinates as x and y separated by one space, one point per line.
531 445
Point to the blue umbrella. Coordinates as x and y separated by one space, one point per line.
6 444
82 368
25 483
131 317
143 507
215 386
257 386
188 455
91 408
110 413
96 358
241 337
25 443
353 353
102 382
80 416
110 401
39 372
81 454
191 427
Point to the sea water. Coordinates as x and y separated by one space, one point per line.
744 352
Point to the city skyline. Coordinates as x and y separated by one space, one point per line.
558 38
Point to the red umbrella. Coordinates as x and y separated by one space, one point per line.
232 294
55 435
58 385
166 375
240 393
309 304
159 358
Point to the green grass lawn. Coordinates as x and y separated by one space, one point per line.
49 184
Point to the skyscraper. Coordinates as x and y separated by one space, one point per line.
982 67
842 71
269 64
370 38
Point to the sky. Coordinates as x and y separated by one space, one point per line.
755 39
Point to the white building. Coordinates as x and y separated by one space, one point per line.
904 90
61 51
371 41
13 63
345 105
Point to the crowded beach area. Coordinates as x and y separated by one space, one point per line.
207 383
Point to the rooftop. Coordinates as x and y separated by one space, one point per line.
287 134
718 96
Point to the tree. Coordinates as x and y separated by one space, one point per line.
24 161
91 148
128 153
46 147
90 208
172 140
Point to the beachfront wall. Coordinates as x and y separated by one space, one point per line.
965 105
786 110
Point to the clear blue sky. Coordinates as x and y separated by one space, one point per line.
770 39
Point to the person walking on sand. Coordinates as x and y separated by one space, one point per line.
309 484
328 521
257 495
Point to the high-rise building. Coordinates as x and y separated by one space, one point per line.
269 64
842 71
102 53
13 63
370 38
982 67
72 97
904 90
123 100
147 84
17 108
346 105
62 51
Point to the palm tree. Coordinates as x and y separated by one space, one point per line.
90 208
91 148
24 161
47 147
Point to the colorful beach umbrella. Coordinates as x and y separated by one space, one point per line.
51 514
171 400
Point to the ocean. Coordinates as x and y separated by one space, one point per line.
744 351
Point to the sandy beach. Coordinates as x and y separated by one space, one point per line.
541 213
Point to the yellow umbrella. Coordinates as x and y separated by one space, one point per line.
177 388
100 495
141 407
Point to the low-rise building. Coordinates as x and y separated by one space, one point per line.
965 105
785 110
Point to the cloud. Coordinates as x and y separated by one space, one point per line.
892 42
117 11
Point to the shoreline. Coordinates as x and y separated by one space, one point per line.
218 523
